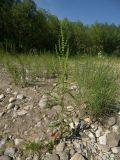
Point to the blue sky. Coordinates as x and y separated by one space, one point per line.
87 11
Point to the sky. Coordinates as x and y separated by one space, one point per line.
87 11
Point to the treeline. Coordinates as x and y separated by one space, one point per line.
24 28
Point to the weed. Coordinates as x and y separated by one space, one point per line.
35 147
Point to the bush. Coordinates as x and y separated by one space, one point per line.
97 87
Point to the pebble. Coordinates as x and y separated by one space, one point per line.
5 158
52 157
113 139
98 132
2 96
10 152
22 113
10 105
60 147
103 140
115 150
18 141
12 99
64 156
20 96
2 142
77 156
43 102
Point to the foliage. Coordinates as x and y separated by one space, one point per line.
24 27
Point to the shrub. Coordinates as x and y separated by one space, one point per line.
97 87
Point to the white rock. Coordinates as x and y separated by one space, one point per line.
70 108
12 99
91 135
77 156
10 152
102 139
18 141
2 142
73 125
115 129
20 96
1 96
43 102
10 105
21 113
60 147
115 150
99 132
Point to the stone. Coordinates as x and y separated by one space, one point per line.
64 156
2 113
77 156
88 120
29 158
115 150
115 129
12 99
10 105
1 97
73 125
2 142
22 113
99 132
52 157
70 108
60 147
102 139
5 158
103 148
20 96
10 152
110 122
113 139
91 135
36 157
18 141
43 102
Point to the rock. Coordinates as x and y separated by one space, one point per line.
73 87
76 145
103 148
52 157
10 152
22 113
77 156
64 156
20 96
60 147
18 141
2 113
99 132
1 97
113 139
115 129
12 99
70 108
8 90
110 122
5 158
102 139
73 125
88 120
36 157
115 150
10 105
2 142
43 102
29 158
91 135
16 107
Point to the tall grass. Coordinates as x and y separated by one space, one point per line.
98 87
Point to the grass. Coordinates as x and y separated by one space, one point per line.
97 78
98 87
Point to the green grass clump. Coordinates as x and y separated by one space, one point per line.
35 147
97 87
